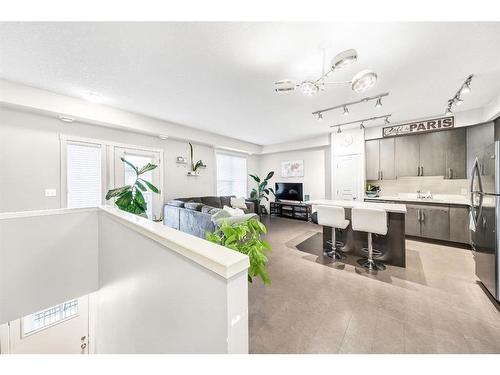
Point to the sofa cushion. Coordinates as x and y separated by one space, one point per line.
176 203
206 209
226 201
212 201
214 210
195 206
238 203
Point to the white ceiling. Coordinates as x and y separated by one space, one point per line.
219 76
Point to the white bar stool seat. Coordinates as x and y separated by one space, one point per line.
333 216
371 221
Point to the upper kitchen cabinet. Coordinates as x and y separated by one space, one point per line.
432 148
407 156
455 154
479 137
380 159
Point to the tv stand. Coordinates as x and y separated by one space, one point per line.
292 210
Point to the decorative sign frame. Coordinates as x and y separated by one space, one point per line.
293 168
426 126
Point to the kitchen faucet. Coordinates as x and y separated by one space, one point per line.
426 195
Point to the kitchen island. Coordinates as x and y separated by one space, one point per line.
392 245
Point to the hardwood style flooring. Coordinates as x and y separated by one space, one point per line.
314 306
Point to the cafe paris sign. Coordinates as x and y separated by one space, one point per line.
436 124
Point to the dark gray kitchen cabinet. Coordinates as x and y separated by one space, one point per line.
434 222
478 137
459 224
380 159
372 150
407 156
387 159
412 221
432 151
455 154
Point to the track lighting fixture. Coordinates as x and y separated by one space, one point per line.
363 121
319 117
362 81
339 130
345 106
457 100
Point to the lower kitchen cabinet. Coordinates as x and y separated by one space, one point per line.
459 224
434 222
412 223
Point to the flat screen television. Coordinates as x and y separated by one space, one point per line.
289 191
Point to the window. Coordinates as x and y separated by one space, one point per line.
84 175
48 317
231 175
140 161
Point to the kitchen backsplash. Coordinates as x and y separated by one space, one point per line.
434 184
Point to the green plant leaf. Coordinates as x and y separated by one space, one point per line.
148 167
153 188
124 200
255 177
130 164
116 192
269 175
140 201
140 185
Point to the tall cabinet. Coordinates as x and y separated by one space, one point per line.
380 159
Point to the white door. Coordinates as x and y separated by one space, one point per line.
347 177
125 175
60 329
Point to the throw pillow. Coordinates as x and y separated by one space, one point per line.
193 206
238 203
233 211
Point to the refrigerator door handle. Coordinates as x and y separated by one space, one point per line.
476 172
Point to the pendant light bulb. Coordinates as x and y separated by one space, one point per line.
339 130
378 104
465 89
458 101
346 111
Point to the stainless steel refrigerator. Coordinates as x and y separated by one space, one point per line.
485 217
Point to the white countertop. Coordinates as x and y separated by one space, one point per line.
436 198
389 207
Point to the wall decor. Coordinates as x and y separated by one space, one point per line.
292 168
436 124
194 166
181 160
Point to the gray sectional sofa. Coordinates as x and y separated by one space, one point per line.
194 215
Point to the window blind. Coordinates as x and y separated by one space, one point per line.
84 175
231 175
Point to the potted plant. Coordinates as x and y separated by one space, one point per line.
129 198
372 190
262 191
246 238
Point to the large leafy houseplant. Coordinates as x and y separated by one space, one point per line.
262 191
129 197
246 238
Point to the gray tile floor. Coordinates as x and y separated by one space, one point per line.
314 306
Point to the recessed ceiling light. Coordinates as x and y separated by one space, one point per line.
284 86
363 81
344 59
66 118
309 88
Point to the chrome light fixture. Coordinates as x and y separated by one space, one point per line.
339 130
344 59
346 111
386 121
309 88
362 126
457 100
362 81
345 106
362 121
378 104
319 117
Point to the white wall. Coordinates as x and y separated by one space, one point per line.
46 260
30 159
316 178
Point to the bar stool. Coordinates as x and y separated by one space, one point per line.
371 221
333 216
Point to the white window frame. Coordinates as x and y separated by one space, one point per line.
107 163
230 153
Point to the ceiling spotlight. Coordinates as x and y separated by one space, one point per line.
466 88
361 126
363 81
346 111
284 86
319 117
386 121
458 101
309 88
339 130
378 104
343 59
448 111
